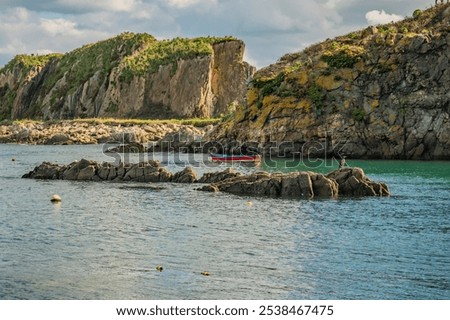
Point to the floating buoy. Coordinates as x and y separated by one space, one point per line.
13 159
55 198
250 204
205 273
159 268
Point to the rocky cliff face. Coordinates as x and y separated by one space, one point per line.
131 75
382 92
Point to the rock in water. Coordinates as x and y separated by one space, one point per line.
300 185
353 182
343 182
187 175
214 177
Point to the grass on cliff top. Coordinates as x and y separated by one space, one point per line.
139 53
196 122
344 51
81 64
166 52
27 62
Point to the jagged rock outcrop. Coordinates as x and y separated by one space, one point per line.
87 170
187 175
131 75
353 182
382 92
215 177
303 185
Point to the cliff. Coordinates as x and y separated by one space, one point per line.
381 92
131 75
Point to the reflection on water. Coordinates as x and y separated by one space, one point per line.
104 240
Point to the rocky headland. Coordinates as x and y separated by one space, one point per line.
128 76
378 93
305 185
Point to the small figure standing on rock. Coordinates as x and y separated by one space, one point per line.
342 163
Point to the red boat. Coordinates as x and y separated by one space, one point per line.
234 158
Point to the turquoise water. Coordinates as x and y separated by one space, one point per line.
105 240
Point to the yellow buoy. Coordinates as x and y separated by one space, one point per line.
205 273
250 204
55 198
159 268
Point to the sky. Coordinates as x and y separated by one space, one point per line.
269 28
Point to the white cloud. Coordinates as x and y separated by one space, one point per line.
20 14
269 28
188 3
59 27
24 31
100 5
375 17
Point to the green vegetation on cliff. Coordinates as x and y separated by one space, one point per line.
168 52
138 53
53 82
320 79
81 64
27 62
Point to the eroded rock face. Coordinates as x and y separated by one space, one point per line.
215 177
353 182
204 85
302 185
187 175
369 94
86 170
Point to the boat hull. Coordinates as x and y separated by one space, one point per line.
234 158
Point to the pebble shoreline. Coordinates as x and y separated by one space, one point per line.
70 132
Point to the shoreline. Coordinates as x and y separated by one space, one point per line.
97 131
147 135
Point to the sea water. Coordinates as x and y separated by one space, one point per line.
105 240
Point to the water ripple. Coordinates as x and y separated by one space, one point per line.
105 240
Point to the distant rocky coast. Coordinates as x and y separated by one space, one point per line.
79 132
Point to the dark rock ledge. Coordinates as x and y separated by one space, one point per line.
305 184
